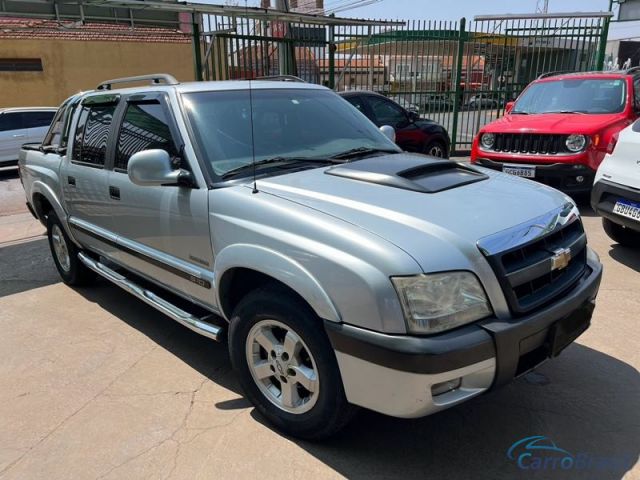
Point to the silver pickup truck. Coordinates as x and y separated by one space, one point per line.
343 271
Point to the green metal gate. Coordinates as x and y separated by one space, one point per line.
457 73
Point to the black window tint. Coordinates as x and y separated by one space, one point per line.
636 90
37 119
145 126
10 121
386 113
96 133
356 102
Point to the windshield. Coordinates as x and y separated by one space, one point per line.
573 96
287 123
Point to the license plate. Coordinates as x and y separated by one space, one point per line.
627 209
519 170
565 331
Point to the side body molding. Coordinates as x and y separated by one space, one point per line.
280 267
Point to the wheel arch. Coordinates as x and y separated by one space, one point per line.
240 269
44 199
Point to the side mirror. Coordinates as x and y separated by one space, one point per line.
413 115
153 168
388 132
508 107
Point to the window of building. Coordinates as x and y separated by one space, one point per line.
145 127
20 65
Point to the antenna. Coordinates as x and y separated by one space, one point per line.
253 143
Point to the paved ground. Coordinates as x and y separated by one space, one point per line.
95 384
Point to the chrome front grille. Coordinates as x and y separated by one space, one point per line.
533 143
549 260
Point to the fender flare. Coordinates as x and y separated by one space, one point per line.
280 267
41 188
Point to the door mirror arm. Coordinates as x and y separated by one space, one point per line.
186 179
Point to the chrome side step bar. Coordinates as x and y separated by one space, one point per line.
198 325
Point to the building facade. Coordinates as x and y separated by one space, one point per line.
42 62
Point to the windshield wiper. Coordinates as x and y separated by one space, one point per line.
361 151
280 159
518 112
581 112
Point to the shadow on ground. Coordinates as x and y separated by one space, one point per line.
25 266
584 401
626 255
8 173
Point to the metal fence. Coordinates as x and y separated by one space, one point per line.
459 74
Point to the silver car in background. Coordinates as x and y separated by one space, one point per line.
19 126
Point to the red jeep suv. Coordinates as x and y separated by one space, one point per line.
560 127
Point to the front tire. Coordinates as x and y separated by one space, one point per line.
286 365
620 234
65 254
436 148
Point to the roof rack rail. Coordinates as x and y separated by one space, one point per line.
282 78
155 78
551 74
632 70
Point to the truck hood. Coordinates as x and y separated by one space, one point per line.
437 217
563 123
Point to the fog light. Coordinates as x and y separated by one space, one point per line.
579 179
444 387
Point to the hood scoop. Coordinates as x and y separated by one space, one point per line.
409 172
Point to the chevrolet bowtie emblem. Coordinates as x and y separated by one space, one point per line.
561 258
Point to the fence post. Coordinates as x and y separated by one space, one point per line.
332 57
603 44
197 54
458 77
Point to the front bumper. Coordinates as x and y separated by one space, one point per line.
604 196
410 376
563 176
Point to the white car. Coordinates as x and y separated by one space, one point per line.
19 126
616 189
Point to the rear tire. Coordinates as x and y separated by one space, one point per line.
620 234
65 254
286 365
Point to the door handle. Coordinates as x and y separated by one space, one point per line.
114 192
19 135
71 181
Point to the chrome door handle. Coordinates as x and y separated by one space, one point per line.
19 135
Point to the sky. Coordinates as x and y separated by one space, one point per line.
455 9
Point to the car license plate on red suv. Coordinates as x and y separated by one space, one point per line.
627 209
519 170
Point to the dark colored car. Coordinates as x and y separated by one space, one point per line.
413 134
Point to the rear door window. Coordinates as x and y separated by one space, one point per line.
11 121
37 119
92 133
145 126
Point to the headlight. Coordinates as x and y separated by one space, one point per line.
441 301
575 143
487 140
